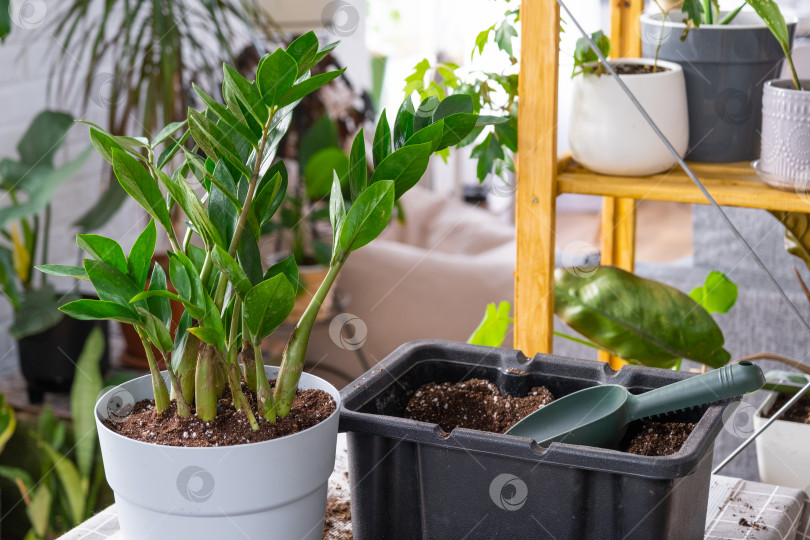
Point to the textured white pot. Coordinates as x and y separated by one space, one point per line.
785 158
273 489
782 450
609 136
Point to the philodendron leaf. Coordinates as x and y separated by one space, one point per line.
103 249
86 386
797 233
140 185
717 295
267 305
404 166
367 218
639 320
771 15
493 328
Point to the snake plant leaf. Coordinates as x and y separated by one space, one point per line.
382 140
70 480
717 295
367 217
275 75
492 330
637 319
267 305
797 233
86 386
103 249
140 256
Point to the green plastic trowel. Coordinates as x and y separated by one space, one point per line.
599 416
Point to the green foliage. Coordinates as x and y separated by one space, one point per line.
639 320
717 295
493 328
8 422
585 57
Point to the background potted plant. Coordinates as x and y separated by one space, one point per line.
601 111
48 342
726 58
231 303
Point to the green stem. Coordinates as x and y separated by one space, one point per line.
264 395
240 402
183 408
205 384
292 362
249 363
158 384
793 74
46 233
708 12
187 366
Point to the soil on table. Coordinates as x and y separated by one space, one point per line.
229 427
478 404
799 412
338 522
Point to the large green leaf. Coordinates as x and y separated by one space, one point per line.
382 140
245 92
368 217
91 310
267 305
159 306
637 319
289 269
87 385
182 193
62 270
303 50
275 75
110 283
235 274
140 185
140 256
403 124
308 86
43 138
358 172
404 166
492 330
103 249
216 144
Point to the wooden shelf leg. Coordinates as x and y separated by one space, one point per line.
618 245
537 177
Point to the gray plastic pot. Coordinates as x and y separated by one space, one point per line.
725 67
271 489
785 158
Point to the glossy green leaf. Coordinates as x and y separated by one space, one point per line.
308 86
275 75
244 91
87 385
403 124
382 140
103 249
431 135
337 210
487 152
140 185
717 295
289 269
208 335
227 117
140 256
159 306
358 172
303 50
214 141
231 268
457 103
183 194
110 283
492 330
221 211
637 319
250 258
404 166
156 331
457 127
167 131
424 113
62 270
92 310
267 305
269 196
367 217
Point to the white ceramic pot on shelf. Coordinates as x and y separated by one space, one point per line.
782 450
609 136
270 489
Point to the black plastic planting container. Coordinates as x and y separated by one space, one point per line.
411 480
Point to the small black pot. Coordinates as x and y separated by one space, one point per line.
48 359
410 480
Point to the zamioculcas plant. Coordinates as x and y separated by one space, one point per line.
231 303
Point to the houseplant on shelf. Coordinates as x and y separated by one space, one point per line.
280 448
48 343
601 111
726 58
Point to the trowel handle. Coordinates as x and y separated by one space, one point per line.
727 382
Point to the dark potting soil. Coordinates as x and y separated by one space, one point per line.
229 427
799 412
633 69
338 522
478 404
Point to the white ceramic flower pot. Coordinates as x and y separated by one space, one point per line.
782 450
785 158
609 136
272 489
